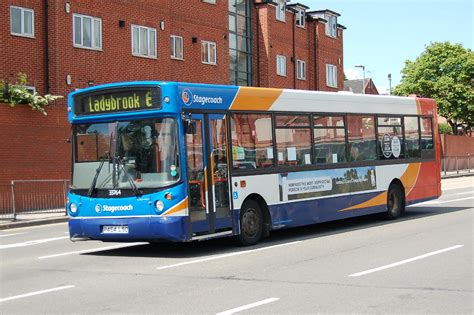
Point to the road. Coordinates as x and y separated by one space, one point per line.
421 263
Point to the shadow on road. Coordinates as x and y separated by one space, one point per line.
227 245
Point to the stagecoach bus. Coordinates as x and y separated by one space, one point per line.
167 161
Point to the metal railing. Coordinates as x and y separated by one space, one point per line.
33 197
453 165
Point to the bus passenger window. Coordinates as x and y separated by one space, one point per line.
427 146
362 142
412 137
293 140
252 141
329 139
390 138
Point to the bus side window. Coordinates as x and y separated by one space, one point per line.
412 137
427 144
252 141
361 134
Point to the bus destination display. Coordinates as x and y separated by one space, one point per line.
117 100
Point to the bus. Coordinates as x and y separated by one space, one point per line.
167 161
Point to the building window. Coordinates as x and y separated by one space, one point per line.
208 52
240 43
87 32
176 47
331 26
281 65
301 69
209 1
300 15
143 41
331 76
280 10
22 21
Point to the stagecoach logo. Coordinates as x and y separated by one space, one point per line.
112 209
187 97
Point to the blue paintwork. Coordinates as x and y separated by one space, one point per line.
305 212
140 229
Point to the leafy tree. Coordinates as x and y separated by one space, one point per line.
444 72
17 93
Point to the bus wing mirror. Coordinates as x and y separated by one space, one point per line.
190 126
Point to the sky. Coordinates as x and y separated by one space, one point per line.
382 34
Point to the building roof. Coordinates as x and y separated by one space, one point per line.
357 86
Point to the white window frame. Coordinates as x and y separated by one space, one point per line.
175 53
281 65
281 10
209 1
151 49
22 21
300 18
301 69
94 45
331 75
207 46
331 25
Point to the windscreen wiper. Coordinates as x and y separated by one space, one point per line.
97 172
135 189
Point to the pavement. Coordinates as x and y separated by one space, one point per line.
59 215
31 219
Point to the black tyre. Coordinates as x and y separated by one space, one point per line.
395 202
251 223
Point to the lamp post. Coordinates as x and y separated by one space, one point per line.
389 84
363 76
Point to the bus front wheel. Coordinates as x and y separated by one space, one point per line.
251 223
395 202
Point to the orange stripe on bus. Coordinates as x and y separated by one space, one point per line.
180 206
249 98
408 180
376 201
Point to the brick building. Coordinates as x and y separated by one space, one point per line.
64 45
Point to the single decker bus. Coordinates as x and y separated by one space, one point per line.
166 161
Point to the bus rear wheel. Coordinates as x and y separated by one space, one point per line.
395 202
251 223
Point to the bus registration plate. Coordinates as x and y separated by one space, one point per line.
117 229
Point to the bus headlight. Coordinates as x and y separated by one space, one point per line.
159 205
73 208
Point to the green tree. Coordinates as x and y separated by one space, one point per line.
17 93
444 72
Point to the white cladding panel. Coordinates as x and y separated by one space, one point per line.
264 185
309 101
386 173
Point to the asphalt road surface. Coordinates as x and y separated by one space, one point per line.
421 263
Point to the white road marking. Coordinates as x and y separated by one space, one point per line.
36 293
248 306
435 202
34 242
465 193
225 255
6 235
92 250
405 261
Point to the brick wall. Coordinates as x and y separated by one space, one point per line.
33 146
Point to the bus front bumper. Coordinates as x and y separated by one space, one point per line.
137 229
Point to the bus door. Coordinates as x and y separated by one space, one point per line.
208 174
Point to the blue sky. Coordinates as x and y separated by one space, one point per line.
382 34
